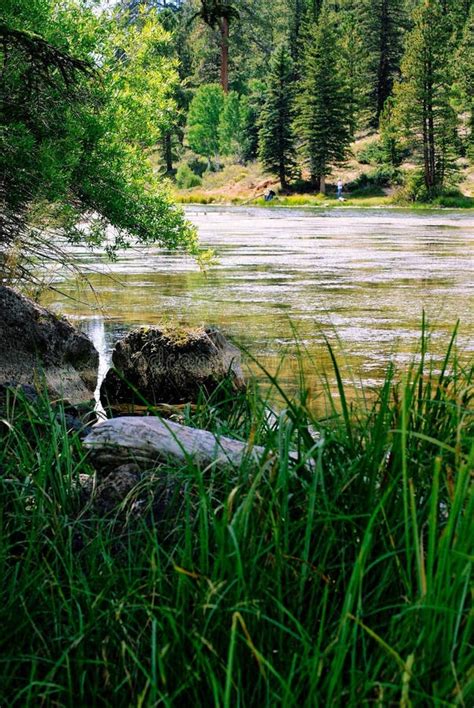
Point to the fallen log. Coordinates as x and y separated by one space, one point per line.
148 440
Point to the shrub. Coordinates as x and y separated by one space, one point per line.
197 166
372 154
414 188
186 179
382 176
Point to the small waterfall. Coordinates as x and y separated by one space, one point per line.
94 327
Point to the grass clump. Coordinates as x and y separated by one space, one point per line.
195 198
414 193
186 178
341 582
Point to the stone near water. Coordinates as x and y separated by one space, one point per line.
37 348
170 365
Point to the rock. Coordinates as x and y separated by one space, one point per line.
38 347
114 489
77 419
129 494
87 487
170 366
13 390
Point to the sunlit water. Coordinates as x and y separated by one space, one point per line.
363 277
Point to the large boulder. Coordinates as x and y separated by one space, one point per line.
36 347
164 365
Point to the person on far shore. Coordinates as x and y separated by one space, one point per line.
339 188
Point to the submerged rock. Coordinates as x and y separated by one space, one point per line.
162 365
37 347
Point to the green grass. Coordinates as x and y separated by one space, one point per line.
344 582
364 197
458 201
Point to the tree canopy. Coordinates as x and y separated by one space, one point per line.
84 99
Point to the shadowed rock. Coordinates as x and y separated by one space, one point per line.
170 366
37 347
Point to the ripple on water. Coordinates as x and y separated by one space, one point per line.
363 276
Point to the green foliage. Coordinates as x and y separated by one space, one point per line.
369 36
372 154
277 583
423 95
252 108
453 199
414 188
323 122
414 194
185 177
390 135
231 125
381 176
464 61
387 149
351 64
276 136
203 120
74 142
197 165
382 24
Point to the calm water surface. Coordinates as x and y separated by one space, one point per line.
362 277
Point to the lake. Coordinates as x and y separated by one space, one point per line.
361 278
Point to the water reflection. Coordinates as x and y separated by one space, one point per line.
363 276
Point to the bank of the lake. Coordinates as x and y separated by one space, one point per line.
362 200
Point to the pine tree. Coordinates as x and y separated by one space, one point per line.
302 13
296 21
465 74
423 95
252 106
457 12
389 134
323 119
219 14
276 149
352 63
381 24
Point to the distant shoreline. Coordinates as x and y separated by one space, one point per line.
315 202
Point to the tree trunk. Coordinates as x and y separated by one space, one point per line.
322 184
282 175
314 182
224 27
146 441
